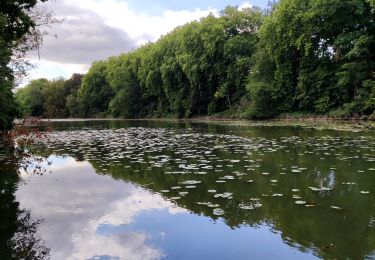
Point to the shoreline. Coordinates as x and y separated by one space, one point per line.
215 118
319 123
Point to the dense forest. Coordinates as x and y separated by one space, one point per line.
309 57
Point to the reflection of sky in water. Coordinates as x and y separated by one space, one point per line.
92 216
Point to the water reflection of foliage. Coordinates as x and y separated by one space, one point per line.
315 230
21 140
18 230
308 230
299 228
25 243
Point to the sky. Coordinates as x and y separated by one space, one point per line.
97 29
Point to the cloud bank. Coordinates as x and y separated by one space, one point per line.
93 30
97 29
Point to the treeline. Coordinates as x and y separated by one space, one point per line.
197 69
51 98
313 57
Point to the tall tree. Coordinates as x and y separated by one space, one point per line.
30 99
323 54
15 24
95 93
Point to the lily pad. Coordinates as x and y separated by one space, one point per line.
224 195
191 182
218 212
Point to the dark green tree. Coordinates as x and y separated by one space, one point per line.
323 55
95 92
15 24
122 77
30 99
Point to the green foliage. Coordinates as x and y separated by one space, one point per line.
52 99
95 93
369 96
262 104
122 78
242 36
30 99
73 105
15 23
196 69
323 53
298 56
54 103
7 105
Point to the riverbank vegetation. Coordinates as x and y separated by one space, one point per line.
20 33
309 57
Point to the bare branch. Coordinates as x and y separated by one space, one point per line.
32 41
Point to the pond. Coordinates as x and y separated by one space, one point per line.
182 190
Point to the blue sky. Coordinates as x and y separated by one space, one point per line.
157 7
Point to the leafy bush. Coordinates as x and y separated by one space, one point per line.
262 105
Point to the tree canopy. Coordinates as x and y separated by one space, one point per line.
15 24
314 57
322 54
51 98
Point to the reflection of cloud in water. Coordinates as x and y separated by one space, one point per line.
129 245
57 164
124 211
75 201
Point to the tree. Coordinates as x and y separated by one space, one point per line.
51 98
95 93
72 86
296 56
242 28
30 99
55 99
122 77
323 55
16 23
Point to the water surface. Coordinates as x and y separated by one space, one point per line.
177 190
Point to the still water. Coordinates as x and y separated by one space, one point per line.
178 190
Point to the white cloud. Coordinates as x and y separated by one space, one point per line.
98 29
245 5
73 215
49 69
138 25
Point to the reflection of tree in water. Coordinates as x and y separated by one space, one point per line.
25 243
317 230
18 231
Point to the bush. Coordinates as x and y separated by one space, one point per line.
262 105
372 116
7 106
